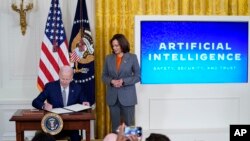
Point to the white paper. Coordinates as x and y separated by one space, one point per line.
60 111
70 109
77 107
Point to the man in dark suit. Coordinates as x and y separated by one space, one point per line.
60 93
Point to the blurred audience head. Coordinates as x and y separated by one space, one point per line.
41 136
157 137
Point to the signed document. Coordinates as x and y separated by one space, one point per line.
77 107
70 109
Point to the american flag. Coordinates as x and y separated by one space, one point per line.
54 49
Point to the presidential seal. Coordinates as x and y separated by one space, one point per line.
82 47
82 50
52 123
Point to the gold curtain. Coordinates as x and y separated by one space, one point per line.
117 16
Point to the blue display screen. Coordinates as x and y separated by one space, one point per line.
182 52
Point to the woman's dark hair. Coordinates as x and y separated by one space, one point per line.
123 42
157 137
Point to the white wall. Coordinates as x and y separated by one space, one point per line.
192 113
19 56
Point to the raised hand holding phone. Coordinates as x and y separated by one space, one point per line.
133 130
122 137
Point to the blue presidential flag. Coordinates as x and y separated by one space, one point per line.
82 52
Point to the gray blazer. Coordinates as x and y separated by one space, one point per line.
129 72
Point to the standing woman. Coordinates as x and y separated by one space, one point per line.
120 73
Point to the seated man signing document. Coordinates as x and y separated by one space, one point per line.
61 93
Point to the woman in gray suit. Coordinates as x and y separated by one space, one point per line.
120 73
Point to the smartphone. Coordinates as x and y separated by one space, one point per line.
132 130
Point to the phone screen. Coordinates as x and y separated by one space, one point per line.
131 130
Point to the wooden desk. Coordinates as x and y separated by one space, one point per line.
27 119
